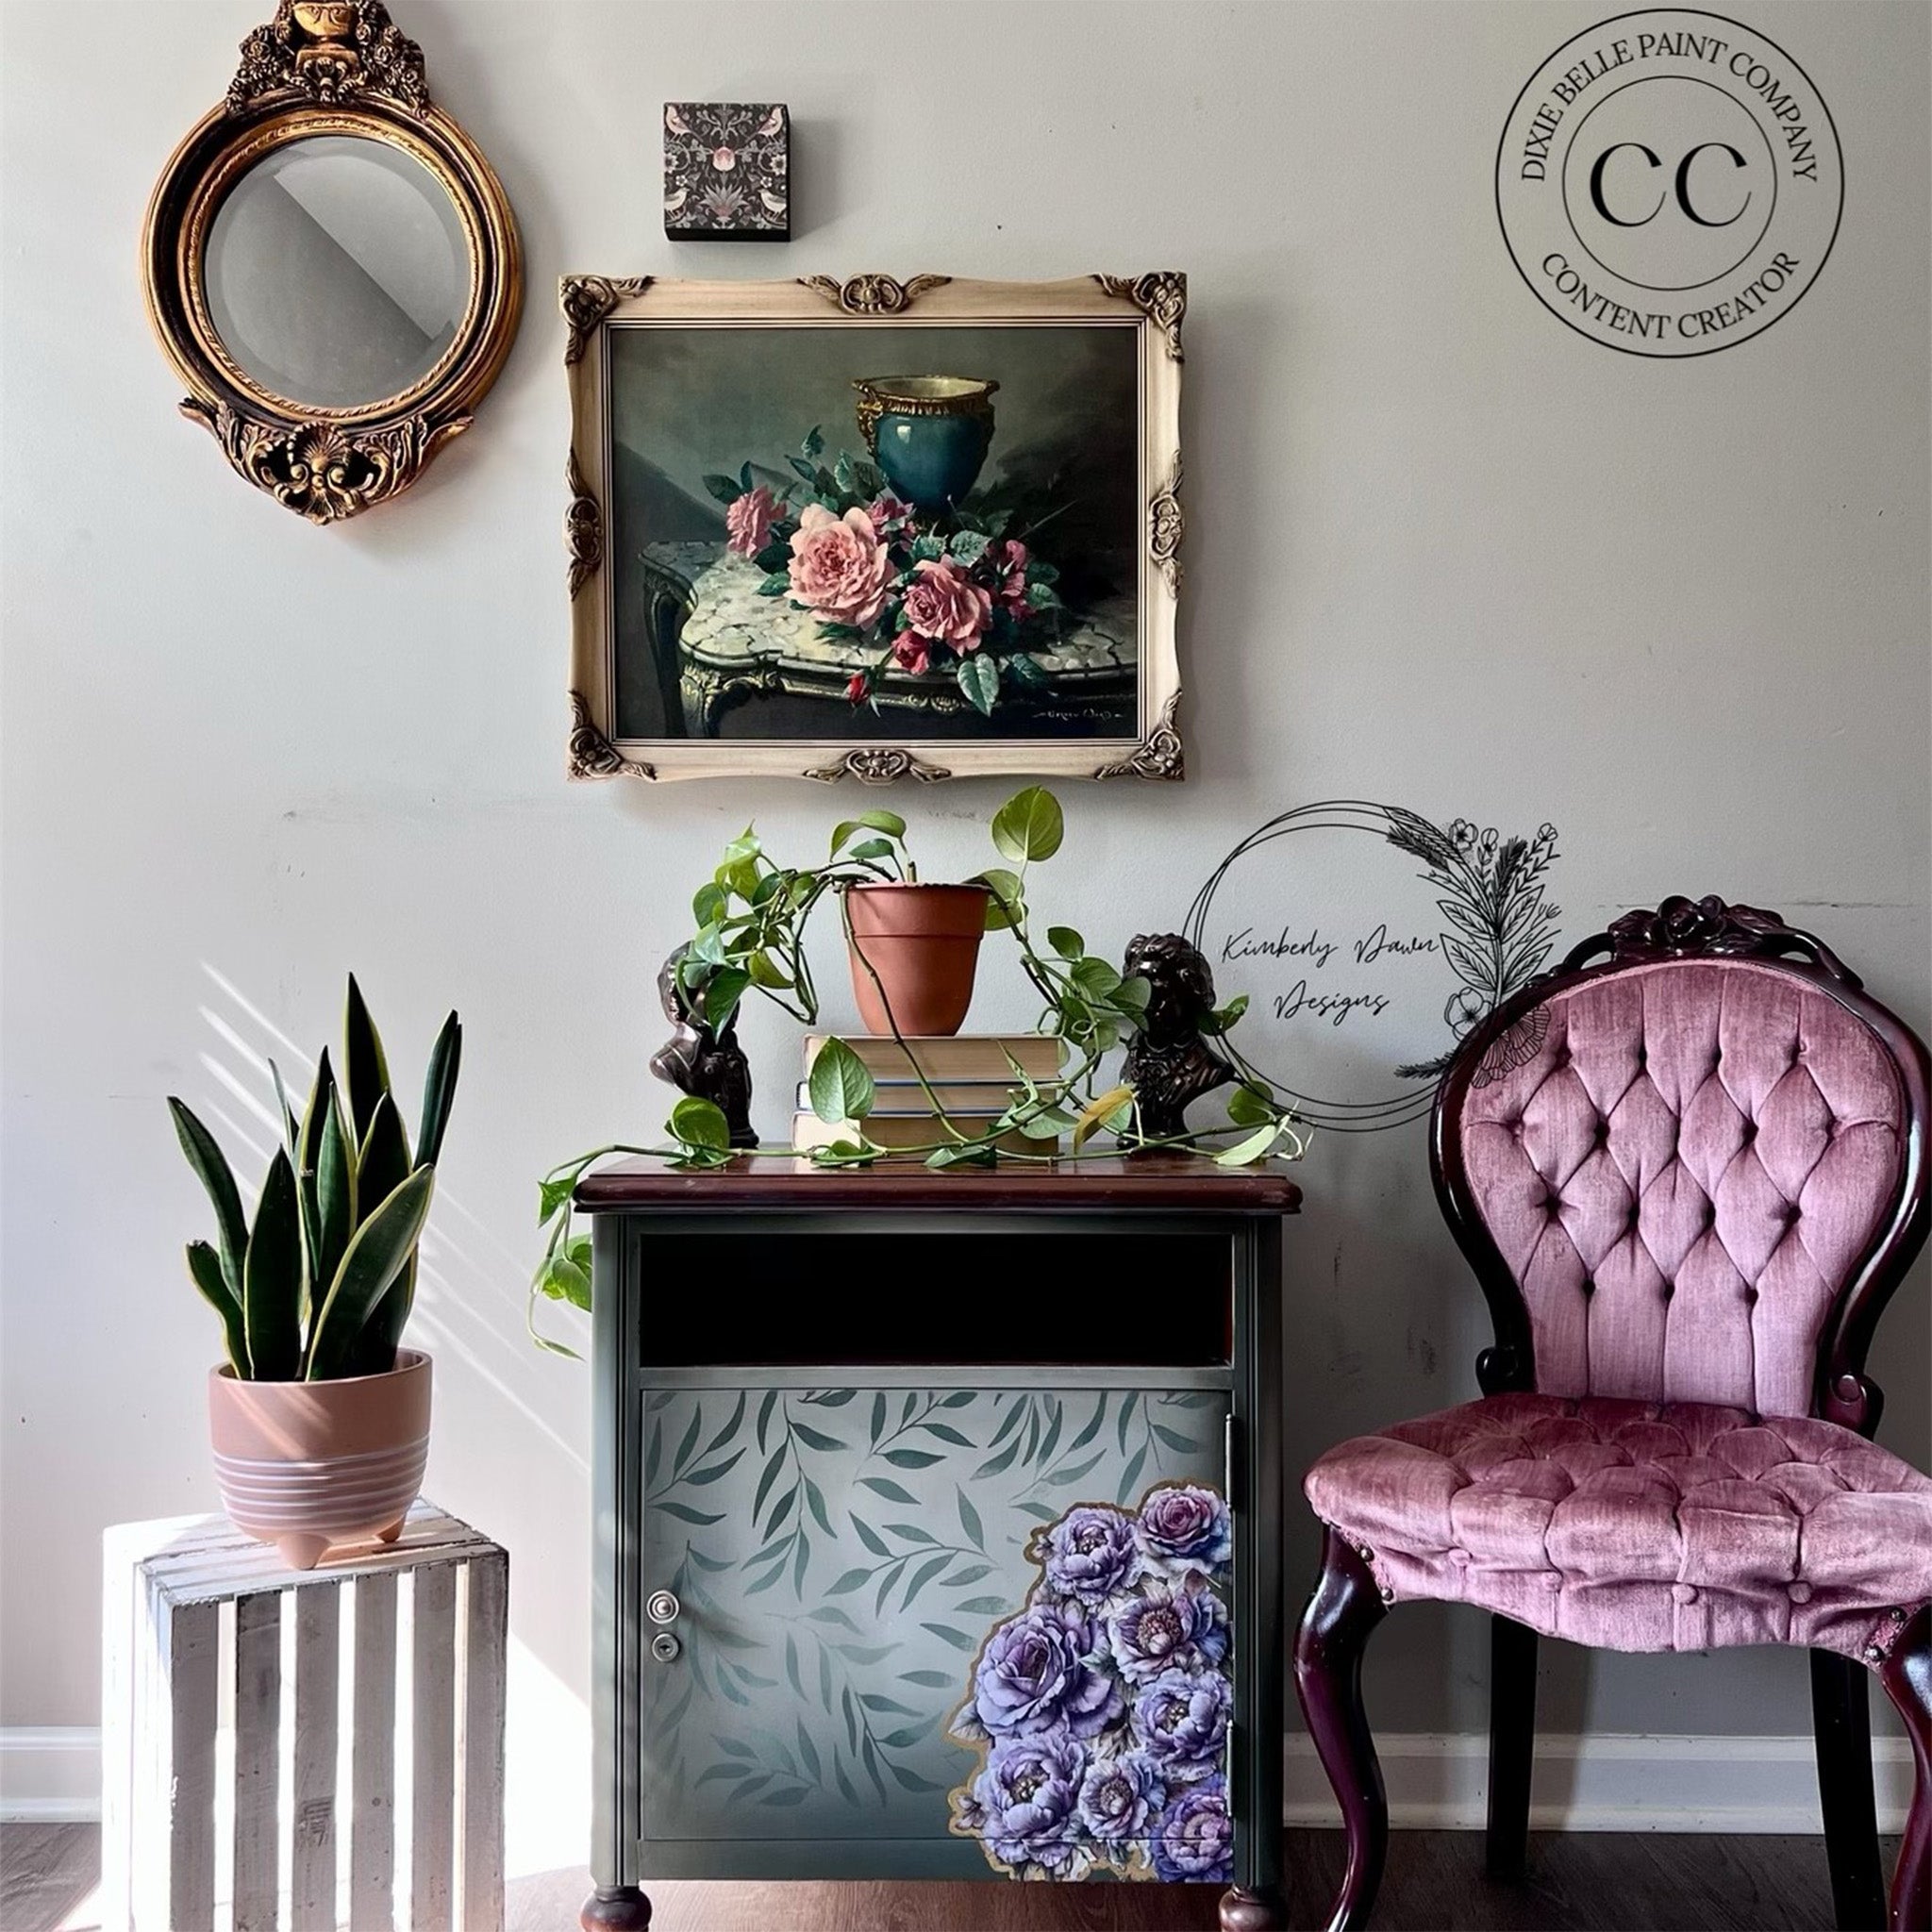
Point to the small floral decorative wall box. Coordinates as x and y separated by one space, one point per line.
728 171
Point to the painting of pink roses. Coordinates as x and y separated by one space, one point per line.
904 543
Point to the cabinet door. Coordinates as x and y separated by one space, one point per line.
991 1615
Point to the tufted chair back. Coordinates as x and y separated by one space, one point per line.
1693 1173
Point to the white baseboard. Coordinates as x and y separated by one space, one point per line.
49 1774
1440 1782
1437 1781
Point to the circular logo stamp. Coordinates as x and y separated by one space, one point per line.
1362 942
1670 182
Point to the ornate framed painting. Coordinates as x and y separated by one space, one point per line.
874 529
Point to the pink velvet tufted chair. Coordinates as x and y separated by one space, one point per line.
1687 1178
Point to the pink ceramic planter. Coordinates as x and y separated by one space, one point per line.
305 1465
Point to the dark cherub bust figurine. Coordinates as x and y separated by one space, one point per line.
702 1059
1169 1063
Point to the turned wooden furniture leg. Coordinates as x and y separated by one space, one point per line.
1250 1911
1906 1675
1841 1720
1328 1647
615 1908
1512 1745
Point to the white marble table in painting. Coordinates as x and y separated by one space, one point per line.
734 644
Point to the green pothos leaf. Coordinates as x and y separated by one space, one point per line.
841 1086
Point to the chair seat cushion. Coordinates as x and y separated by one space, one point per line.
1634 1526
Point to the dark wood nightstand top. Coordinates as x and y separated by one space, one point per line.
1174 1184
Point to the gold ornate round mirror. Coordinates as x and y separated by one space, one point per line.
332 267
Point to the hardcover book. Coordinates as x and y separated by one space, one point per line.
948 1056
963 1098
909 1135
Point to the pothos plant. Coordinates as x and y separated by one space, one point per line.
751 918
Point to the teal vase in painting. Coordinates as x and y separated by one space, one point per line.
928 434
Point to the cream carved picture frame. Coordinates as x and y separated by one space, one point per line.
874 529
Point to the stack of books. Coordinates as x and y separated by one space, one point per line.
971 1075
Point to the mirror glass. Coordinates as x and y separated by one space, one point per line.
337 272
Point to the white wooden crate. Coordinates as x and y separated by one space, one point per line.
266 1739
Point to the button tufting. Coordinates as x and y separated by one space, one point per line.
1589 1285
1670 1290
1750 1297
1595 1479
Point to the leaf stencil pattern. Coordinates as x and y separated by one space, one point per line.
840 1557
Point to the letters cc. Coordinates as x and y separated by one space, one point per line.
1680 187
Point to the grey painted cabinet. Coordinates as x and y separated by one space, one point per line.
937 1527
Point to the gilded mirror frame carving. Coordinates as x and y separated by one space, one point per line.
342 68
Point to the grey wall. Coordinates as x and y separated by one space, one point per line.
1440 550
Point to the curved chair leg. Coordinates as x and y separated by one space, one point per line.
1328 1647
1512 1745
1842 1722
1906 1675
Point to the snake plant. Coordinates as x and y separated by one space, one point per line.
320 1285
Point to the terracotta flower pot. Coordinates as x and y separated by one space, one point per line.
923 941
304 1465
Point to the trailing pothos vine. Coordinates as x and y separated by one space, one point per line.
750 925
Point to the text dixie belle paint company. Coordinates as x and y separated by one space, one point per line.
1668 183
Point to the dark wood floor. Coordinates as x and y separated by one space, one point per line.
1582 1882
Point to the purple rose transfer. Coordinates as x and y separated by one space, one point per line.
1039 1670
1023 1802
1102 1708
1119 1799
1180 1721
1193 1842
1167 1628
1091 1554
1184 1528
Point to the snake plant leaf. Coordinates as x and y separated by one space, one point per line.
382 1334
271 1278
290 1126
308 1156
363 1065
439 1090
204 1271
382 1162
379 1252
336 1191
211 1165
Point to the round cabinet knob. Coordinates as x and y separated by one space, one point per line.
665 1648
663 1606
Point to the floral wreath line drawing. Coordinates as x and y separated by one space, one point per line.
1499 928
1100 1711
